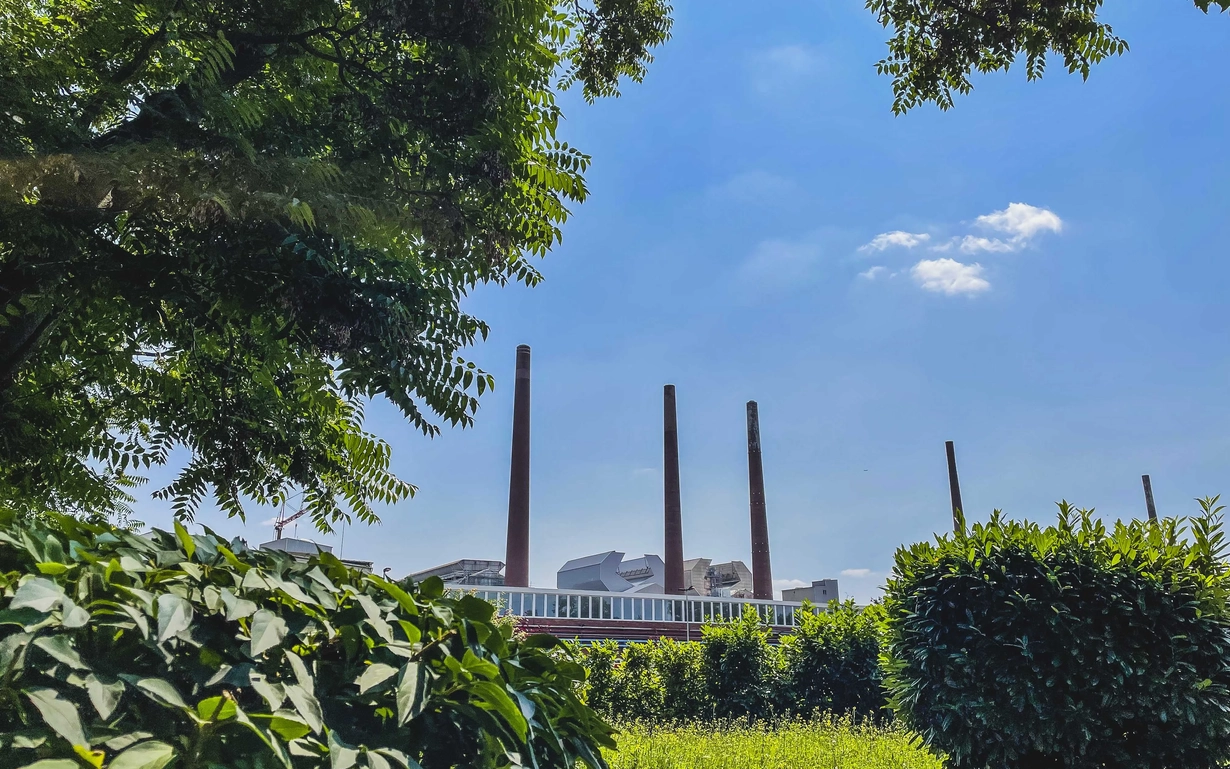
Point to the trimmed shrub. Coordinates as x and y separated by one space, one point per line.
832 663
1018 647
739 667
120 651
681 669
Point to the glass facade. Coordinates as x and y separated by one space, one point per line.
581 605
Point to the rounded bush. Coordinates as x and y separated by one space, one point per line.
1020 647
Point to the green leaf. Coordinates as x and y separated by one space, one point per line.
38 594
60 647
10 647
474 608
216 709
471 663
174 616
497 699
306 704
72 615
237 608
341 755
59 713
152 754
158 690
51 568
401 758
411 692
104 694
288 725
125 740
432 587
403 598
376 761
185 539
53 763
375 674
301 672
273 694
23 618
268 630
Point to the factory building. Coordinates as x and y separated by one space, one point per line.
605 596
302 549
467 571
820 592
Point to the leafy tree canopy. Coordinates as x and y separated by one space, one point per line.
938 44
225 225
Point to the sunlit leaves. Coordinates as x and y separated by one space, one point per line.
263 661
1019 645
224 228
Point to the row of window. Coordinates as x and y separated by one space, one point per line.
618 607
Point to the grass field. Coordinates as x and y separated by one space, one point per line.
819 744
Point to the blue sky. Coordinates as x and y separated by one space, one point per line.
1068 343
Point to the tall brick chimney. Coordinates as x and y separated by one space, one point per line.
673 556
762 571
517 559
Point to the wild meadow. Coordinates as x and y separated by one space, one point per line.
802 744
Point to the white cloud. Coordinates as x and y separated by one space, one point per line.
856 573
971 244
1022 221
874 272
269 522
895 238
778 263
948 276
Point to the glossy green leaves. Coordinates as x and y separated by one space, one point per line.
1077 645
200 653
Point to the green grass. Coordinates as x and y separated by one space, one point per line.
818 744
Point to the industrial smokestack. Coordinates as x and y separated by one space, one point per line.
517 560
671 504
762 572
1150 508
954 488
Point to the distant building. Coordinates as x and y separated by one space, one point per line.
731 579
467 571
302 549
609 573
820 593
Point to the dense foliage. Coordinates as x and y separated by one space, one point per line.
938 44
224 225
120 651
829 665
1020 647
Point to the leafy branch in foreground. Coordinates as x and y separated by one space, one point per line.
937 44
121 651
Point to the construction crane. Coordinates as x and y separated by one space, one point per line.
284 519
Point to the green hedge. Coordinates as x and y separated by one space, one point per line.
830 664
121 651
1021 647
